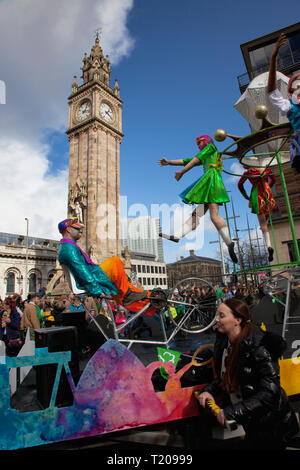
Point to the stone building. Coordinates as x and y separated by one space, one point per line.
95 133
207 269
24 268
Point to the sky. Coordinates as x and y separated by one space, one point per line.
177 65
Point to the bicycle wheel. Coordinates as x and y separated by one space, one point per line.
195 303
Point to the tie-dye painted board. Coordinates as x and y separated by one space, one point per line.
115 392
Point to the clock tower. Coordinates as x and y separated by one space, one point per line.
95 134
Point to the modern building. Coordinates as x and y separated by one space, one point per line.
257 53
140 236
208 269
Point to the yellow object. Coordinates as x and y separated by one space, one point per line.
173 312
263 326
290 375
214 408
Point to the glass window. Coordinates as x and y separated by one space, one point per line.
291 249
295 47
260 58
10 283
32 283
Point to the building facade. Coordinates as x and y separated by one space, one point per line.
25 267
141 236
257 54
208 269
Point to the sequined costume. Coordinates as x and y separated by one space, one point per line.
261 199
209 188
109 278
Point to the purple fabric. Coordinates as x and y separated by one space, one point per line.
71 242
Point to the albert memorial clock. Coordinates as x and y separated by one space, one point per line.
95 134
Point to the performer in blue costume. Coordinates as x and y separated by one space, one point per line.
288 107
109 278
89 276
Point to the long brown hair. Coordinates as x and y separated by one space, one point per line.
239 309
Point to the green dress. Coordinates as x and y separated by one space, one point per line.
210 187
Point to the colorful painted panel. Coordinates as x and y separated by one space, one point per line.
115 392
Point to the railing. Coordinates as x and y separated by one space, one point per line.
284 63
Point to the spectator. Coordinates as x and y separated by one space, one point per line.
248 380
75 304
120 318
10 327
226 294
31 316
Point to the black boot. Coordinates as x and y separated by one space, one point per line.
232 253
169 237
271 251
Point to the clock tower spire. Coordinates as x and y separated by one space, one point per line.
95 134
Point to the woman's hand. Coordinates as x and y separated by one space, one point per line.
163 162
178 175
205 396
280 41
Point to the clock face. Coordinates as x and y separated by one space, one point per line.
106 112
84 111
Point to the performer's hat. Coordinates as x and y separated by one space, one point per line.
294 77
72 222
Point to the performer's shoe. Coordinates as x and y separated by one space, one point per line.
134 296
232 253
271 251
169 237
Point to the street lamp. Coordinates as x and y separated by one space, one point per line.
26 265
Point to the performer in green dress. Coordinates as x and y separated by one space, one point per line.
208 190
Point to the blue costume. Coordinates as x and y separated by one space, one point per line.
88 275
294 118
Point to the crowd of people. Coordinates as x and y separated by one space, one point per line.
41 310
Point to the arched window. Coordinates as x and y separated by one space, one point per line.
10 283
32 283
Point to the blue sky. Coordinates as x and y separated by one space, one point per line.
177 65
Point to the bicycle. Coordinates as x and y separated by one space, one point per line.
197 313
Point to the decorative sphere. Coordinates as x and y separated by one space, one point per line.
220 135
261 111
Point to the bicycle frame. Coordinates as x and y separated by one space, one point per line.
117 329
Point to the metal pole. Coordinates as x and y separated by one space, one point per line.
250 241
287 201
237 238
26 264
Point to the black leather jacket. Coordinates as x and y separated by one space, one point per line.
264 407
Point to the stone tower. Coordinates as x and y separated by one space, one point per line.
95 134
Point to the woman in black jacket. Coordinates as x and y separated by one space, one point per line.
248 382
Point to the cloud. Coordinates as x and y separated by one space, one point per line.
29 190
42 46
237 170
